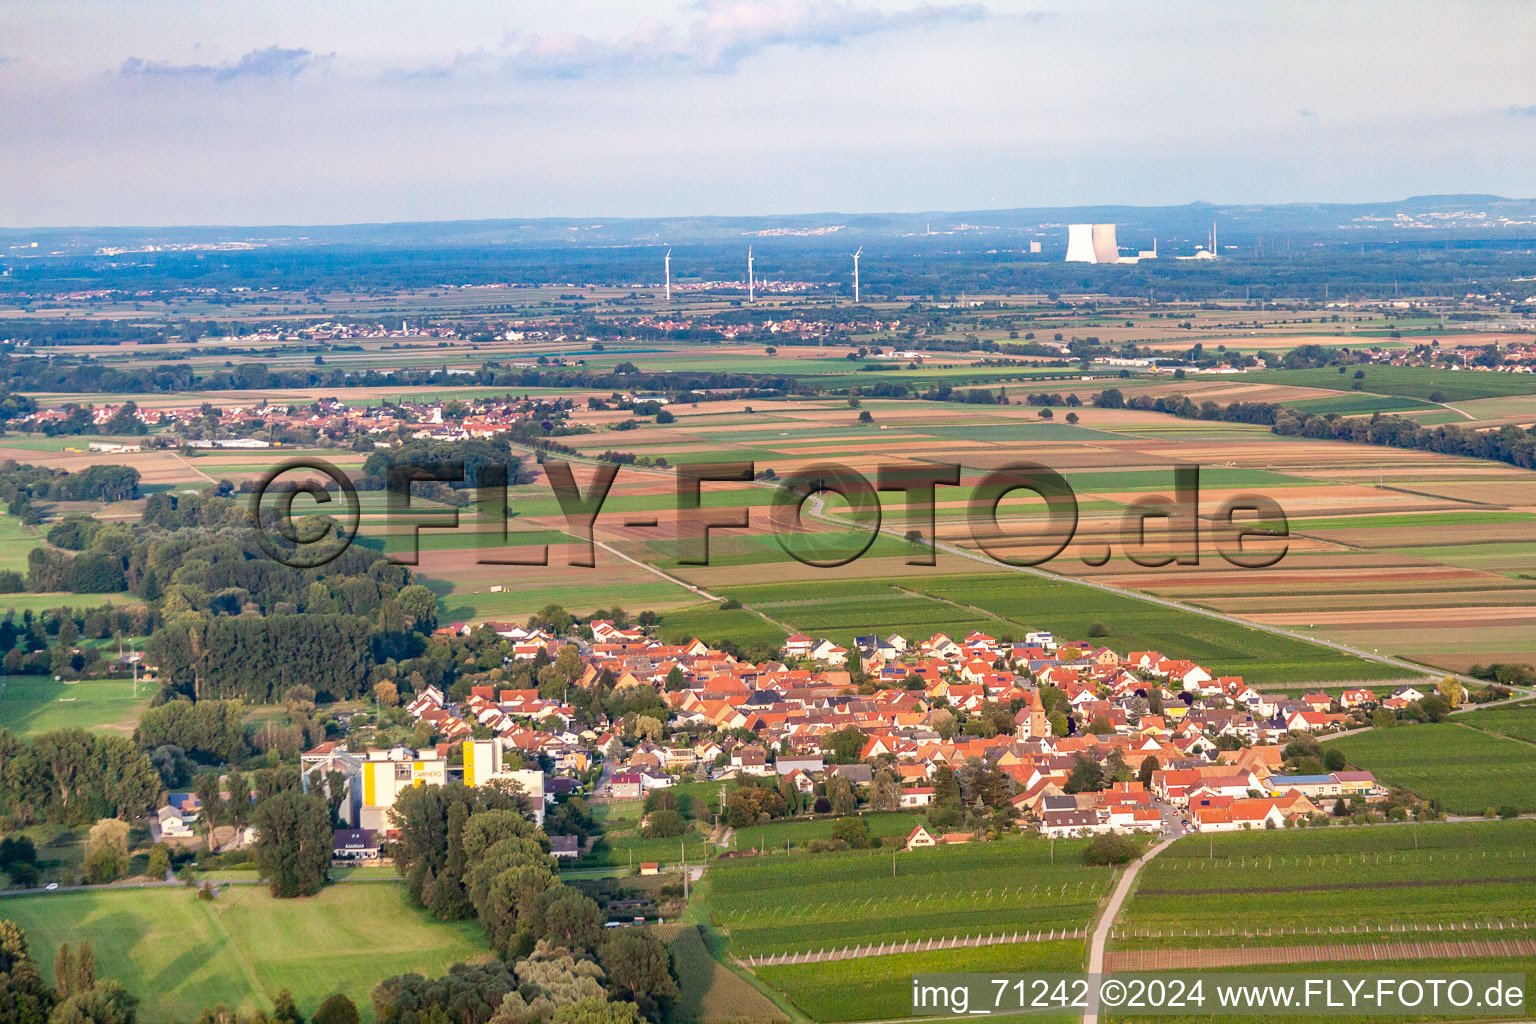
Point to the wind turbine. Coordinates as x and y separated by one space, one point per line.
856 275
667 264
751 279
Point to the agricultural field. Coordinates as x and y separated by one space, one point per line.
1011 604
37 704
179 954
880 987
1413 968
806 902
1406 381
1465 769
708 991
1516 720
1339 884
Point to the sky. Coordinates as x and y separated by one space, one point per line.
174 112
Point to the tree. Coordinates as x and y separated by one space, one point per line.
337 1009
1451 689
106 850
74 971
549 980
293 842
159 861
1072 418
664 824
843 746
865 417
1435 707
173 765
209 792
106 1002
24 999
568 918
884 792
1100 726
1111 848
840 794
284 1010
386 693
596 1010
130 785
1086 776
1334 759
1149 764
852 831
639 970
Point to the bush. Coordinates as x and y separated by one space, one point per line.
664 824
1110 848
1509 811
1098 629
729 604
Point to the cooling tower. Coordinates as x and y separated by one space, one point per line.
1105 248
1080 243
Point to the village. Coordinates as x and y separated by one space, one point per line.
981 735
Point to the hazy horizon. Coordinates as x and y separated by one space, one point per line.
294 114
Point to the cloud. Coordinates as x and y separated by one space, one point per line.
720 34
1523 111
269 62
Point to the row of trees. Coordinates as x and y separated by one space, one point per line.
71 776
1507 444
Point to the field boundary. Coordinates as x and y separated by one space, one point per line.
910 946
1184 959
1356 929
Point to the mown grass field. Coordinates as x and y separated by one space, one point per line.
1375 878
1467 770
179 954
813 901
36 704
16 540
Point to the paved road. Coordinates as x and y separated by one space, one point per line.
1107 923
1518 696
